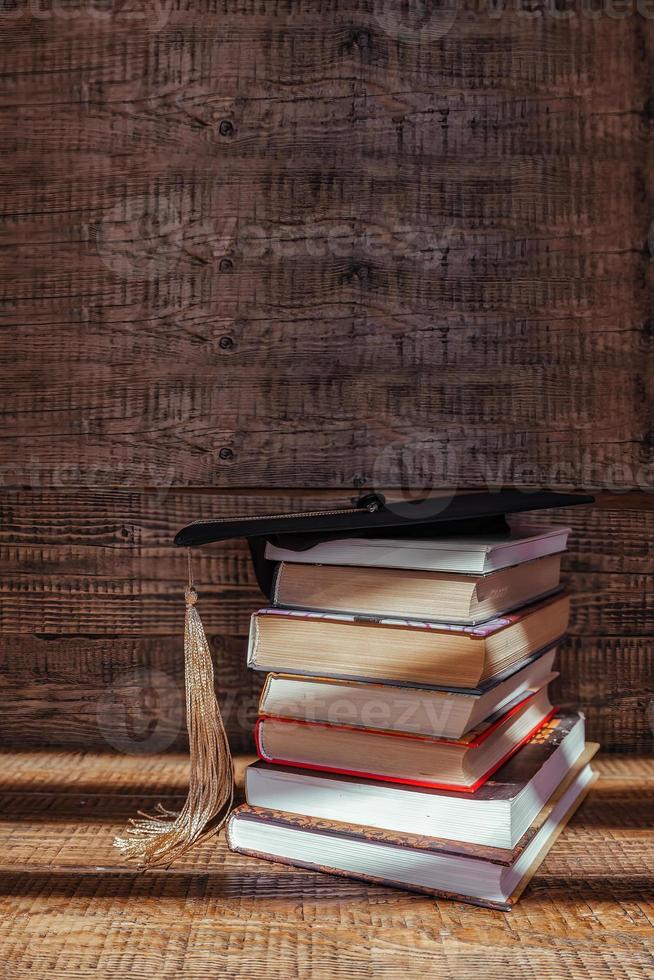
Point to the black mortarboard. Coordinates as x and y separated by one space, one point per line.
159 839
372 516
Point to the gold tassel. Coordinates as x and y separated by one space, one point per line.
159 839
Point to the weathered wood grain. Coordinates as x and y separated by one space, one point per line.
424 258
102 563
348 402
116 693
129 694
61 777
282 46
588 911
611 679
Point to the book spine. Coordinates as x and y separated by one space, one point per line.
276 583
264 694
258 741
253 642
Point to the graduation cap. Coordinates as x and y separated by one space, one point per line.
158 839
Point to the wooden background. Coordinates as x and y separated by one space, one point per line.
261 253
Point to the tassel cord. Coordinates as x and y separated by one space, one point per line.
153 840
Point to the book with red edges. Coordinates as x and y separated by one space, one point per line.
461 764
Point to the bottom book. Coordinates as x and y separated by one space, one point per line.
489 876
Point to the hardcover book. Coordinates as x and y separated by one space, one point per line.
415 594
485 876
407 651
458 552
433 711
462 764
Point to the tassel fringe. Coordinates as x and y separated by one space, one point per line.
163 837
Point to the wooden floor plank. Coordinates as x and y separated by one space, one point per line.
70 908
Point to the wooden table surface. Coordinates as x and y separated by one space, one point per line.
70 907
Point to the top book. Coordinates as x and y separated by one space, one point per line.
467 554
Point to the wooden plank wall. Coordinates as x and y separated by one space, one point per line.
254 245
92 617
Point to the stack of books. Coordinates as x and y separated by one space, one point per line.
405 730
